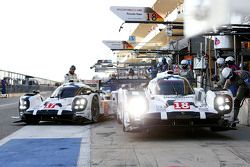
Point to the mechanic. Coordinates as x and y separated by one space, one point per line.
186 72
240 79
163 66
131 73
170 63
230 62
220 79
71 75
153 70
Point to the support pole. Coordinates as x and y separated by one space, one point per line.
235 54
210 63
241 61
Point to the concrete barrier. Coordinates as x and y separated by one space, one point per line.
244 114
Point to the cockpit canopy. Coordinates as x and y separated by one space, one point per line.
71 91
170 86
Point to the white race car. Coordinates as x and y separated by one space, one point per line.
169 100
71 101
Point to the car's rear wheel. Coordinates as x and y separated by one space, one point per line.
95 109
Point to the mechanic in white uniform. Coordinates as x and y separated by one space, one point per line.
71 75
221 65
186 72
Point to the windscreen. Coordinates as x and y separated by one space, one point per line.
65 92
173 87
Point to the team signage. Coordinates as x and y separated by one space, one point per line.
136 13
118 45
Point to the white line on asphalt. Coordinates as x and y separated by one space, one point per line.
84 155
6 105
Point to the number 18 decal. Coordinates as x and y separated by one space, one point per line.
181 105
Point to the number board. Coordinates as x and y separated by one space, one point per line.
181 105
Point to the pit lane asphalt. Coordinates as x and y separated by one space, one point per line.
8 110
162 147
169 147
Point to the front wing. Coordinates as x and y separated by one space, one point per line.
54 114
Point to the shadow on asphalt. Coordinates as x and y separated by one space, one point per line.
162 133
179 134
67 122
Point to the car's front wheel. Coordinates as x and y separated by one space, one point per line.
218 129
124 122
95 109
32 122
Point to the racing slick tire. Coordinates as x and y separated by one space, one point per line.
32 121
95 109
124 128
118 119
218 129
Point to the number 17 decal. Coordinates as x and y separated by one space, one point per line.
181 105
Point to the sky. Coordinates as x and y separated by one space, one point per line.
43 38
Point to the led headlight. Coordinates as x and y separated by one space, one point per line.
223 104
24 104
79 104
137 106
220 100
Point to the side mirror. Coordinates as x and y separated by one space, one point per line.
36 91
99 91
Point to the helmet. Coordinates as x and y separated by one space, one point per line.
169 61
72 67
220 61
184 62
227 73
230 58
163 60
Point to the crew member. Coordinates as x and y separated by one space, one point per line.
221 65
71 75
153 70
163 65
230 62
186 72
240 79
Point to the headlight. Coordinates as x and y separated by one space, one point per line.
24 104
220 100
79 104
137 106
223 104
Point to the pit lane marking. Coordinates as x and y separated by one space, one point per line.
76 133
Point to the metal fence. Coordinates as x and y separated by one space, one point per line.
28 88
22 83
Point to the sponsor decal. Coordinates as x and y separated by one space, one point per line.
216 41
